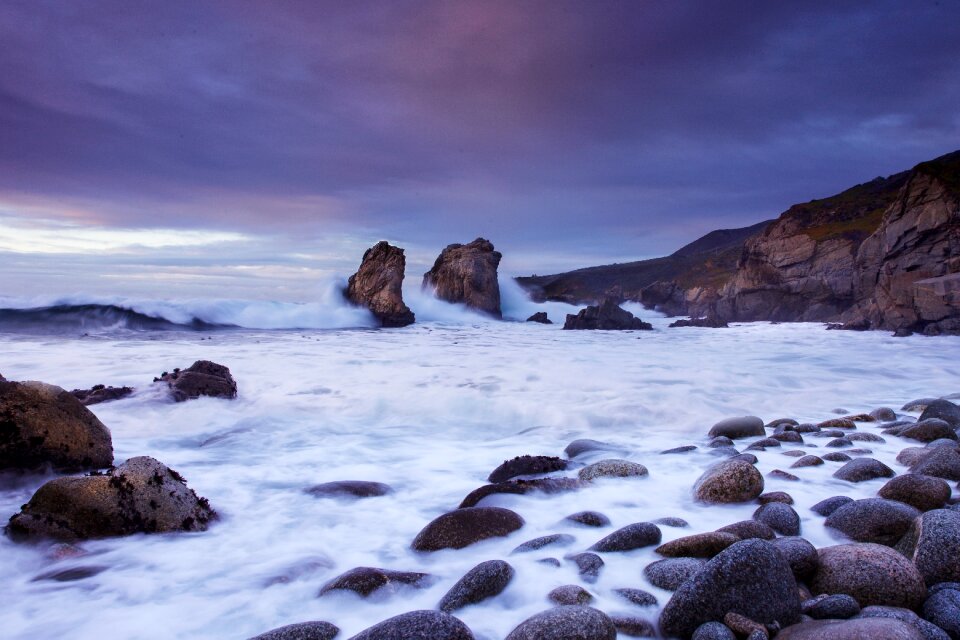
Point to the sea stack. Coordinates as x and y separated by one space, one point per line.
377 285
467 274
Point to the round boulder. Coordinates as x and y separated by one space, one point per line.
485 580
779 517
942 410
933 544
942 462
871 573
570 594
526 466
350 489
860 628
919 491
585 445
366 580
589 519
713 631
140 496
746 529
699 545
42 424
943 609
633 536
734 428
750 578
202 378
301 631
733 480
828 506
863 469
669 574
873 520
839 606
566 623
418 625
884 414
612 468
800 554
463 527
929 430
552 540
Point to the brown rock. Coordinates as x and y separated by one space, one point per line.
467 274
464 527
100 393
729 481
700 545
202 378
606 316
871 573
378 285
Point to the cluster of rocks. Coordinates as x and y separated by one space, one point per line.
897 575
606 316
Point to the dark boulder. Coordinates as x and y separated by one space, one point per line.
366 580
486 580
871 573
585 445
588 565
873 520
857 629
526 466
699 545
779 517
713 631
933 544
733 480
464 527
100 393
612 468
929 430
351 489
775 496
378 285
540 317
41 424
919 491
418 625
670 573
839 606
942 410
467 274
884 414
751 578
589 519
521 487
863 469
942 462
800 554
807 461
606 316
566 623
706 323
301 631
638 597
553 540
735 428
202 378
633 536
943 609
927 630
142 495
747 529
570 594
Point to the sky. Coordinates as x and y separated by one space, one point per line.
254 149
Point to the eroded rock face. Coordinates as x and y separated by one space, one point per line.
606 316
140 496
42 424
202 378
378 285
467 274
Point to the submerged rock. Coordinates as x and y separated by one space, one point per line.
708 323
42 424
699 545
467 274
612 468
464 527
566 623
378 285
100 393
521 487
418 625
670 573
301 631
589 519
633 536
607 316
486 580
553 540
540 317
350 489
570 594
942 410
526 466
863 469
140 496
202 378
366 580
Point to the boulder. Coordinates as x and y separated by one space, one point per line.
747 529
800 554
943 609
366 580
585 445
871 573
863 469
378 285
929 430
918 491
670 573
526 466
941 462
928 630
540 317
100 393
588 565
566 623
553 540
589 519
807 461
828 506
607 316
734 480
942 410
858 629
570 594
484 581
713 631
41 424
779 517
350 489
638 597
612 468
142 495
918 405
521 487
839 607
202 378
707 323
734 428
699 545
418 625
873 520
467 274
464 527
933 544
301 631
775 496
633 536
884 414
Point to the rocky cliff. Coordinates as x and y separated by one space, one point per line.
467 274
377 285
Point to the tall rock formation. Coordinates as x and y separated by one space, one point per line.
467 274
377 285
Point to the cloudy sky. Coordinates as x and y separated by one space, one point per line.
252 149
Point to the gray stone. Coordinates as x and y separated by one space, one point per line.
588 565
884 414
566 623
638 597
677 523
746 529
464 527
779 517
584 445
669 574
800 554
552 540
687 448
873 520
918 405
633 536
857 629
807 461
713 631
365 581
933 545
828 506
863 469
730 481
612 468
927 630
486 580
775 496
418 625
929 430
836 456
919 491
526 466
735 428
521 487
700 545
942 462
942 410
943 609
633 626
350 489
606 316
570 594
863 436
839 606
589 519
301 631
871 573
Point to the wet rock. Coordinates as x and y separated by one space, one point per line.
788 436
676 523
521 487
720 441
929 430
744 626
884 414
589 519
807 428
633 627
467 274
942 410
830 433
775 496
70 575
943 609
860 628
366 580
837 423
861 417
837 443
763 445
794 453
943 585
782 423
933 544
638 597
873 520
350 489
912 455
669 574
540 317
807 461
836 456
570 594
566 623
633 536
551 562
918 491
142 495
707 323
927 630
301 631
700 545
486 580
749 458
100 393
748 529
941 462
735 428
863 469
612 468
828 506
684 449
378 285
779 517
554 540
41 424
585 445
730 481
871 573
526 466
464 527
863 436
780 474
800 555
839 607
418 625
918 405
606 316
588 565
750 578
202 378
713 631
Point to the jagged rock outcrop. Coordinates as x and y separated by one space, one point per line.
100 393
605 316
377 285
202 378
467 274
